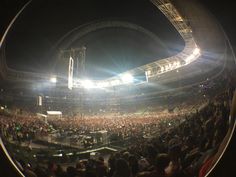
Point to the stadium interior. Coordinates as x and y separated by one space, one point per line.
142 93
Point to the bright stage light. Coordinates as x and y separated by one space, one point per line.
102 84
167 67
148 73
127 78
189 58
87 84
162 69
53 79
178 64
196 51
115 82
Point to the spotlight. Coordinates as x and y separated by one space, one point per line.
167 67
102 84
162 69
189 58
115 82
53 79
178 64
127 78
196 51
87 84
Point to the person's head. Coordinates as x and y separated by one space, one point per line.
122 168
71 171
132 160
190 142
52 166
174 152
133 164
143 164
117 155
40 171
151 151
101 159
80 165
59 168
162 161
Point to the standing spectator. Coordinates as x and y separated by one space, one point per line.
122 169
101 168
162 161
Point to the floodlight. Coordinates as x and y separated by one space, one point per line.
127 78
162 69
189 58
196 51
167 67
178 63
115 82
148 73
102 84
53 79
87 83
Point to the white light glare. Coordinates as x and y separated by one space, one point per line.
53 79
167 67
114 82
102 84
162 69
87 84
196 51
178 63
148 73
127 78
189 58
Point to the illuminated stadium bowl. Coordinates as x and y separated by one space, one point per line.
61 118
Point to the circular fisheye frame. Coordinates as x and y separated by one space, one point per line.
115 89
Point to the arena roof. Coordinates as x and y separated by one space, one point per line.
34 36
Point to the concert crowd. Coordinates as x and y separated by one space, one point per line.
184 145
